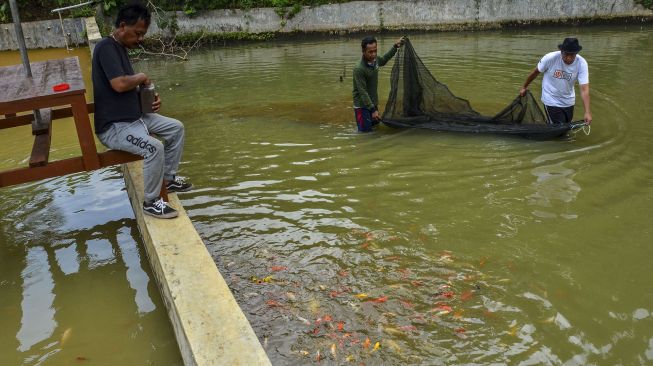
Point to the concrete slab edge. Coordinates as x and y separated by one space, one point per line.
93 35
210 327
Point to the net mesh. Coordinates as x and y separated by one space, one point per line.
418 100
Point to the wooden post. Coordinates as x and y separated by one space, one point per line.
85 134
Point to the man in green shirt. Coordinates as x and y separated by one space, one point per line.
366 80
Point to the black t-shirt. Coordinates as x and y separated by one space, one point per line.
110 61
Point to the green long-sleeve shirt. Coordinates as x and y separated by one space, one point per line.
366 81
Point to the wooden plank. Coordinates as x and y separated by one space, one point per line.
41 149
20 106
62 167
68 111
113 157
54 169
15 121
46 121
85 133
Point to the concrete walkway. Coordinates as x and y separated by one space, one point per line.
210 327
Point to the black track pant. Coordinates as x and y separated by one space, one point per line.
559 114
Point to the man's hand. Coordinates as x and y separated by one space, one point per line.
375 116
585 94
147 80
522 91
400 42
156 105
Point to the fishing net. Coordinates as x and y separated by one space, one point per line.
418 100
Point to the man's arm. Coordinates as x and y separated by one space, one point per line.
585 95
388 55
385 58
529 79
125 83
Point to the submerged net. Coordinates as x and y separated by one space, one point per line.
418 100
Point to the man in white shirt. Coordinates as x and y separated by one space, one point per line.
561 69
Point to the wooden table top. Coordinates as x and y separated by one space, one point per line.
16 86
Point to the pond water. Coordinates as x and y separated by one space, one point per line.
395 247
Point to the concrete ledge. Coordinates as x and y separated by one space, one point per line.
210 327
93 35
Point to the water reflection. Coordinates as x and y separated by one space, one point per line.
37 323
554 183
73 273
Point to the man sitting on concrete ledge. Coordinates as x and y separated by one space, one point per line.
121 123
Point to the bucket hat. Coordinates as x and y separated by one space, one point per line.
570 45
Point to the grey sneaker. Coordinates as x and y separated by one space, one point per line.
178 185
160 209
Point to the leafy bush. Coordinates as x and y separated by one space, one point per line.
31 10
646 3
40 9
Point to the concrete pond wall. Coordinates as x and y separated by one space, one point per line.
411 14
354 16
45 34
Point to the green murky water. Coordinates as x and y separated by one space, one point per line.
443 248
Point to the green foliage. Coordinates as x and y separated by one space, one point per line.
189 10
135 52
167 21
194 39
83 12
110 5
296 8
286 9
646 3
187 39
104 28
281 11
4 13
40 9
31 10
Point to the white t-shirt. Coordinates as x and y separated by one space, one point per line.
558 80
